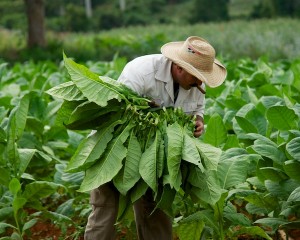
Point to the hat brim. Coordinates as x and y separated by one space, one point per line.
213 78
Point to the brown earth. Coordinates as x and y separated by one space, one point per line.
46 230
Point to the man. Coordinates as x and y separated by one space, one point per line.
177 77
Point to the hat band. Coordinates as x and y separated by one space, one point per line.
193 50
205 63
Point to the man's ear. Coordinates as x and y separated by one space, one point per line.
179 68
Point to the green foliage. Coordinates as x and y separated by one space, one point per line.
232 40
209 11
271 8
30 144
12 14
240 179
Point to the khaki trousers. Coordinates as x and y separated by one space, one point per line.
105 200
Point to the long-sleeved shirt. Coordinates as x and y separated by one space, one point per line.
150 76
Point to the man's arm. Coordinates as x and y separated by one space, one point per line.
199 126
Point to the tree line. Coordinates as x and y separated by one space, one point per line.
95 15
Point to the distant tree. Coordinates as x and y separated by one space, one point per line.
209 11
288 8
35 16
75 18
122 4
88 8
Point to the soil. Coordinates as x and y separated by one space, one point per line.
46 230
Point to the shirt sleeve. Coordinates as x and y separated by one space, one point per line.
132 79
200 106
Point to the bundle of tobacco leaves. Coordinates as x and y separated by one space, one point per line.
133 145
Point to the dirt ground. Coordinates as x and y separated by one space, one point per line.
45 230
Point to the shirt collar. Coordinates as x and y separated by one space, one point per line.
164 71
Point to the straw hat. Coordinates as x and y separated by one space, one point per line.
197 57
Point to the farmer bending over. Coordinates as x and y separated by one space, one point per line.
177 77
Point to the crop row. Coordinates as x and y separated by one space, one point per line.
250 185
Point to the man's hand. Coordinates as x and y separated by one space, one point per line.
199 126
153 104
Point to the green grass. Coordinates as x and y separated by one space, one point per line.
274 39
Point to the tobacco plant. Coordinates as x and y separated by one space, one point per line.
139 148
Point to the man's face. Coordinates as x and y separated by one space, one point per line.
187 80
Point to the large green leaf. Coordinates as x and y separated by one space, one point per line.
207 185
3 226
267 148
233 171
273 174
5 212
91 115
29 224
261 203
293 148
234 102
14 186
54 216
67 91
39 189
25 158
190 152
282 117
246 125
271 222
231 142
270 101
209 154
21 114
124 208
108 166
148 163
252 231
64 112
190 231
167 197
283 78
295 196
268 89
4 176
2 135
127 178
251 120
138 190
258 120
258 78
252 96
161 159
14 128
92 147
296 108
207 216
216 132
35 125
237 218
174 153
281 189
92 87
292 169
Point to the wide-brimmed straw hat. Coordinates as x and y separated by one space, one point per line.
197 57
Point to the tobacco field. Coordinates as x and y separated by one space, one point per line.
240 180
